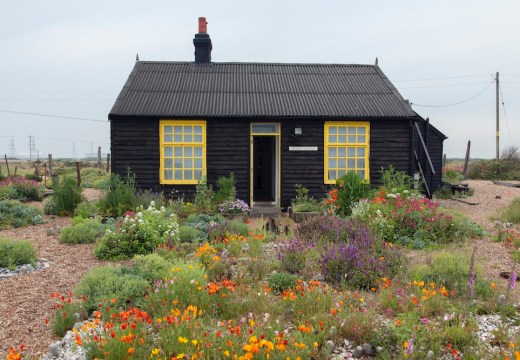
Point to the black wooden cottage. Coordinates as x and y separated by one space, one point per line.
273 125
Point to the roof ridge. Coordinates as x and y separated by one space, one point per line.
254 63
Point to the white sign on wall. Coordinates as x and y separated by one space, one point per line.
303 148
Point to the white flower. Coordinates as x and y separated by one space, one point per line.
152 203
139 214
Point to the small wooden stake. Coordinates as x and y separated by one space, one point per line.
78 172
99 157
50 165
108 163
7 164
466 160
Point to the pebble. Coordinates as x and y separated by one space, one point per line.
41 264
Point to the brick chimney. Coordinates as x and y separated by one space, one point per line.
202 43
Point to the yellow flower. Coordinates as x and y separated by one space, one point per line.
315 344
194 342
226 353
405 344
182 340
155 351
180 356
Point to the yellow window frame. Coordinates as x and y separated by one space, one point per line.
183 144
346 145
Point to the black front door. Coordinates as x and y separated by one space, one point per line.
264 168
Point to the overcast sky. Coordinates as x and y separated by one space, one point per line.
71 58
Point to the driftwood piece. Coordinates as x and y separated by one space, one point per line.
505 183
464 201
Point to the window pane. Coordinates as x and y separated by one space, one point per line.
188 138
177 151
168 175
197 129
188 151
264 128
178 163
188 163
332 151
198 151
167 151
351 163
351 138
197 174
333 138
361 163
361 130
361 152
341 152
361 138
177 138
341 173
332 163
332 175
198 138
168 129
342 164
188 175
351 130
333 130
198 163
342 130
178 129
168 163
351 152
178 175
361 173
342 139
188 129
167 138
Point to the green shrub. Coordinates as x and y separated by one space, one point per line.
15 214
16 252
138 233
226 188
146 197
350 188
303 202
279 282
86 209
188 234
2 177
33 177
65 198
452 270
8 193
85 231
102 184
120 196
22 188
395 181
205 198
67 313
117 286
512 213
151 267
89 176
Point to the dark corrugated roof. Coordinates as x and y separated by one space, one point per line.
260 90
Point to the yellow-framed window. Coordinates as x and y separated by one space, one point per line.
183 151
347 147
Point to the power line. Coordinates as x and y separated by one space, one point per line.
446 85
53 116
57 139
505 114
443 78
459 102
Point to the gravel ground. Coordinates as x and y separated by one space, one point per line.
25 302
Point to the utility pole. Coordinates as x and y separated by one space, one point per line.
30 148
498 121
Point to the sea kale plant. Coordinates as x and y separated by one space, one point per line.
15 214
138 232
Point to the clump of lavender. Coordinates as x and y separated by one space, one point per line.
357 260
471 280
293 254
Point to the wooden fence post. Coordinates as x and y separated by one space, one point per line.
7 164
466 160
50 165
78 172
108 163
99 157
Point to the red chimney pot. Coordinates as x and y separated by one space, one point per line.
203 25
